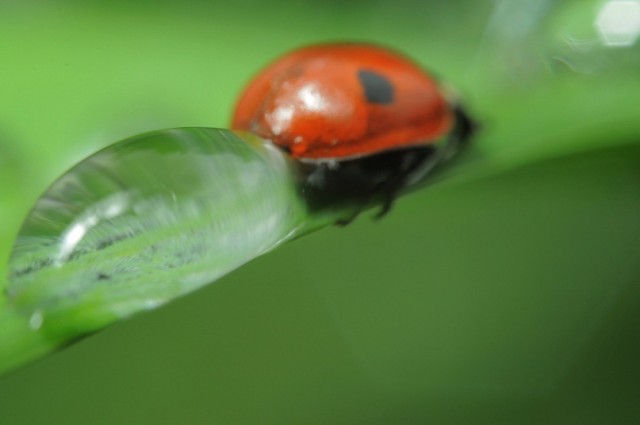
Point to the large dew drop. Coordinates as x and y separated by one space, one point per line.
146 220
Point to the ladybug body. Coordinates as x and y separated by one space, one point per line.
362 120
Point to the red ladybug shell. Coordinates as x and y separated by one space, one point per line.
342 101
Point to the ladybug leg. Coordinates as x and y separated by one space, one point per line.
386 207
346 221
389 196
412 160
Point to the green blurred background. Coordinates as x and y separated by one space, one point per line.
507 295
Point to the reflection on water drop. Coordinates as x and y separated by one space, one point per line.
149 219
107 209
35 321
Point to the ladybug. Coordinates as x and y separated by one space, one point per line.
362 121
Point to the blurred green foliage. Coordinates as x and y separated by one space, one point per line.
507 295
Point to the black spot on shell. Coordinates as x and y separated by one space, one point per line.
377 88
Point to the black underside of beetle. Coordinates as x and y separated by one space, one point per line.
358 183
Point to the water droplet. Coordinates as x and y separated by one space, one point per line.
148 219
35 321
